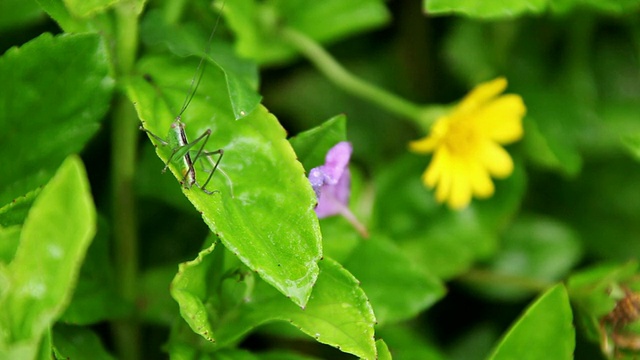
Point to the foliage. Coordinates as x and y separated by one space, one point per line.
93 234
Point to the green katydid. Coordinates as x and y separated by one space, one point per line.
177 138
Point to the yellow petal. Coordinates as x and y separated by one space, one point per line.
444 187
496 159
460 195
423 146
439 164
481 183
483 93
501 119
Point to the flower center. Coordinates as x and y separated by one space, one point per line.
461 137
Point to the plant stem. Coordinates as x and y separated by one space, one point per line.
480 276
124 138
349 82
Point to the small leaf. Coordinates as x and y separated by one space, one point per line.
397 291
52 107
544 331
43 273
312 145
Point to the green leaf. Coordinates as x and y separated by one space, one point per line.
397 291
241 75
52 107
42 275
312 145
72 342
544 331
337 309
265 215
485 9
256 23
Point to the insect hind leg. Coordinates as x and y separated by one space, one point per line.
207 155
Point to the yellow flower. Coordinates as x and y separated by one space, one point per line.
466 144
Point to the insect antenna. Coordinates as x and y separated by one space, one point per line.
197 76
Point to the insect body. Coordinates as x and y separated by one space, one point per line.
181 147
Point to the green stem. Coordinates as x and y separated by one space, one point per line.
480 276
349 82
124 138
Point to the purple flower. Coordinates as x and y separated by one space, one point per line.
332 184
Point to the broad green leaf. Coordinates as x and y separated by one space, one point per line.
312 145
256 23
485 9
241 75
535 248
17 13
398 290
53 242
52 108
336 310
544 331
73 342
86 8
264 214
